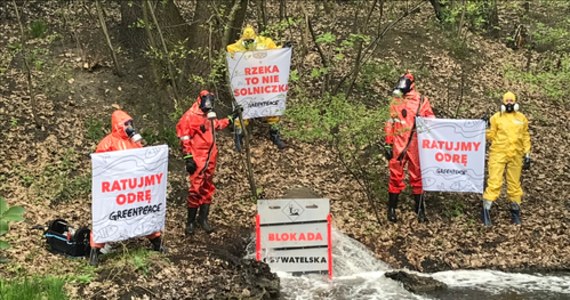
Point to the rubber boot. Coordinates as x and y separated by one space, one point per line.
276 138
486 213
157 245
190 220
515 213
238 139
94 257
203 218
420 207
392 204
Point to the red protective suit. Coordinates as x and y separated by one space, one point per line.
115 141
195 133
398 130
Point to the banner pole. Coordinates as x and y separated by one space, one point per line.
250 177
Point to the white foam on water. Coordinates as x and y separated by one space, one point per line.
497 281
357 274
368 285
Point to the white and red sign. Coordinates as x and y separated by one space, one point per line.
260 81
452 154
294 235
128 193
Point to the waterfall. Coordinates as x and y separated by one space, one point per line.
359 275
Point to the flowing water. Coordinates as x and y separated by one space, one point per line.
359 275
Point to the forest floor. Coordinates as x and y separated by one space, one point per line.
42 165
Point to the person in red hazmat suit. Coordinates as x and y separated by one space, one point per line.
510 152
249 41
123 136
402 143
195 129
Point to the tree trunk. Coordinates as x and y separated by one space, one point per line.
235 21
282 9
493 17
101 18
33 103
132 36
261 15
437 7
175 28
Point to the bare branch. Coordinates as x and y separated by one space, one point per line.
28 69
101 19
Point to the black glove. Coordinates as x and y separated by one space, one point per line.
190 164
388 152
288 44
485 118
526 162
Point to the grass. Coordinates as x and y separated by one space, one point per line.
31 288
138 260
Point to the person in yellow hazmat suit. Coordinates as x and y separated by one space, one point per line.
509 151
250 41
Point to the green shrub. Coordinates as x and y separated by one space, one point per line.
555 38
476 15
8 214
550 82
38 28
354 130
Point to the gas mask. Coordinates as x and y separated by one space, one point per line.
249 44
403 87
131 132
207 103
509 107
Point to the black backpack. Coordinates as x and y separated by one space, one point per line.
62 238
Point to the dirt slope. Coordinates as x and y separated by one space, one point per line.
40 164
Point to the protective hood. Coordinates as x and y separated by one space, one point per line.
509 96
118 120
248 33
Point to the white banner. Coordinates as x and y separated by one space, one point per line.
294 235
128 193
452 154
259 81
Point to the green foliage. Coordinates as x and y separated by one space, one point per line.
13 122
554 38
354 129
458 47
551 82
454 207
176 56
355 126
38 28
33 288
334 116
84 274
95 129
8 214
166 135
377 71
137 260
476 15
325 38
275 29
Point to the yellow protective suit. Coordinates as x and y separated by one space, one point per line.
510 142
259 43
